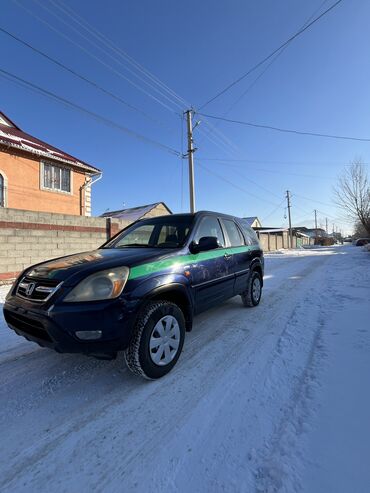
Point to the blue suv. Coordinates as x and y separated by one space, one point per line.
139 291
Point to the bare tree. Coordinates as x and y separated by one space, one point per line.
352 194
359 231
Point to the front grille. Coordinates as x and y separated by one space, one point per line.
38 290
29 326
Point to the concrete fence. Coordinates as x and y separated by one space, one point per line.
271 241
28 237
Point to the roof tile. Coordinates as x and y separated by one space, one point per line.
13 136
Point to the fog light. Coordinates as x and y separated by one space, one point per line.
89 335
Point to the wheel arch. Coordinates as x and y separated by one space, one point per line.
175 293
256 266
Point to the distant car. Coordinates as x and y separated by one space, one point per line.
361 241
139 291
347 240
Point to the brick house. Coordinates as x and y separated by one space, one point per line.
39 177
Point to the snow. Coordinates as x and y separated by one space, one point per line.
271 399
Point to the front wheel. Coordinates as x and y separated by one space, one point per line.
252 295
157 340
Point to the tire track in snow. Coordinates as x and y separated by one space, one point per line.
115 408
254 382
280 463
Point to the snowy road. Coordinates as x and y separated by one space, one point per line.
267 399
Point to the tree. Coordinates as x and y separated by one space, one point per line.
352 194
359 231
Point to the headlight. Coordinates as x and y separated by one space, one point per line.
103 285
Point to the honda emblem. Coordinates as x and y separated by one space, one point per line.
30 288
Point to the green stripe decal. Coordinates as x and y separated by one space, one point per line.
159 265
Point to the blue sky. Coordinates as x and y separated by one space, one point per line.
320 83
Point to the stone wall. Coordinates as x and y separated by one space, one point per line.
28 237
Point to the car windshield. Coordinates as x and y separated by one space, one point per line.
158 232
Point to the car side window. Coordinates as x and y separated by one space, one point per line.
232 230
249 233
209 226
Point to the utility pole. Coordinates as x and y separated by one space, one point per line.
290 219
315 225
327 231
189 115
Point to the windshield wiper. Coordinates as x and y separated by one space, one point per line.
134 245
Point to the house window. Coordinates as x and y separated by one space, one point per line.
56 178
2 191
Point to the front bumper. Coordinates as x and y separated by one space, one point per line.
55 326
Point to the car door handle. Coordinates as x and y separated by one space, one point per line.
227 256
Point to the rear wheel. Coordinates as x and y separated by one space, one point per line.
157 340
252 295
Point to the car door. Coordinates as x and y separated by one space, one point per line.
241 254
212 278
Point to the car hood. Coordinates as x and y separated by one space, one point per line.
75 267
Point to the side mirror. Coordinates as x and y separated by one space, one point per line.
205 243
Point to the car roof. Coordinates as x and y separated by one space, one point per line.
193 214
214 213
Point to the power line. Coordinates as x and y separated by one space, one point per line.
96 116
294 163
310 200
307 218
300 208
330 216
260 186
254 183
76 74
99 46
102 38
241 189
215 127
207 133
110 67
285 130
264 170
108 43
92 55
298 33
272 61
274 210
220 140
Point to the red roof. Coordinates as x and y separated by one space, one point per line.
13 136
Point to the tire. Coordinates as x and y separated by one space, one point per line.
252 296
147 355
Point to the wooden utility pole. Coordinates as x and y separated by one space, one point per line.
327 231
315 225
189 115
290 219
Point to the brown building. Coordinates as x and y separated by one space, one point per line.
39 177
